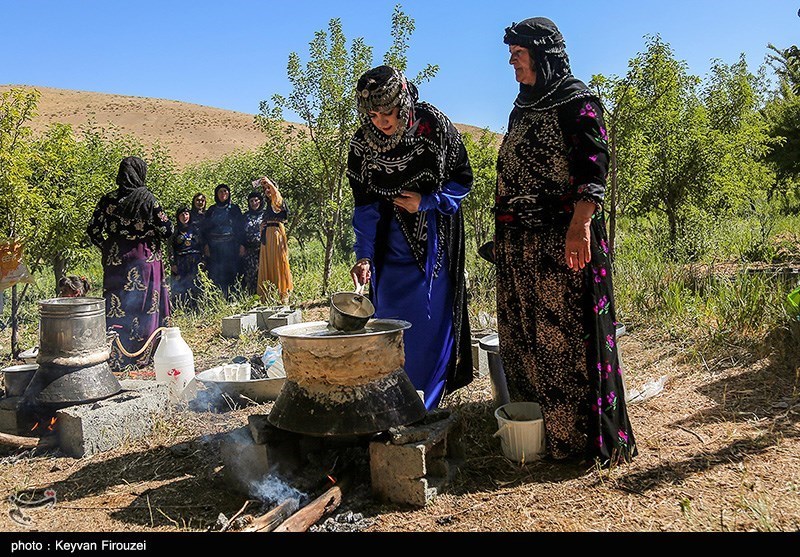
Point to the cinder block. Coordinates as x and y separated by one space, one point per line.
234 325
262 314
431 429
480 362
99 426
11 420
284 317
245 462
415 492
400 461
438 468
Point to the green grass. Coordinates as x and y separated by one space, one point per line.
705 296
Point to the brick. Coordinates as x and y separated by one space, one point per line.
262 313
95 427
284 317
245 462
11 419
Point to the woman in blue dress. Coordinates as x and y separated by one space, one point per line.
222 234
409 172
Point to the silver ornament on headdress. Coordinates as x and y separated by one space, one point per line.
393 93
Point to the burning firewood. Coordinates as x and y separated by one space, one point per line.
27 442
322 506
272 519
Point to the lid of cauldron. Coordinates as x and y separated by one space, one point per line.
315 329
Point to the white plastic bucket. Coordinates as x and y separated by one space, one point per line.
521 431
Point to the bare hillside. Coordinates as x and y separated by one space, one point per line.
191 132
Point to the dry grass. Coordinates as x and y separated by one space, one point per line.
718 452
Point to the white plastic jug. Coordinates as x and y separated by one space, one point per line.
174 365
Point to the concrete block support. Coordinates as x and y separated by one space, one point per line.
99 426
263 313
410 465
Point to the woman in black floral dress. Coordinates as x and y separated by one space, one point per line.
129 225
251 241
555 301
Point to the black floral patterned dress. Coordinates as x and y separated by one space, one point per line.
251 240
134 281
557 327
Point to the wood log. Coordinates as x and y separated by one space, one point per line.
27 442
323 505
269 521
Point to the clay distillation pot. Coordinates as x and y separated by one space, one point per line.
340 383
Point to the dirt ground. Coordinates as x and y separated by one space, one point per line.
719 451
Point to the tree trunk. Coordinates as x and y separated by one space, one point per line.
673 228
59 269
330 239
14 323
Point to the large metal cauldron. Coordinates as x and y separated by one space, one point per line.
340 383
73 354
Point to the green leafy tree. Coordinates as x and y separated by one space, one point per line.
482 151
738 136
786 63
666 128
782 114
17 108
323 95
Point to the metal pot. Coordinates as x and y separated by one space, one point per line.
74 348
72 332
344 383
16 378
350 311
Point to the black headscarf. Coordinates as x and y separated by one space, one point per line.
216 195
135 200
555 84
182 209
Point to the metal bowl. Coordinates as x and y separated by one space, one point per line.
257 390
350 311
16 378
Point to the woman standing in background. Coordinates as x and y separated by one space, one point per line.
273 263
128 225
185 257
250 250
221 230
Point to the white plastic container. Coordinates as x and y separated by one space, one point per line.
174 365
521 431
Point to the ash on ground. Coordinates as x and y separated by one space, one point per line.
345 522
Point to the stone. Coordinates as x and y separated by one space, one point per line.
11 419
